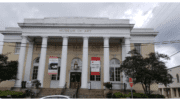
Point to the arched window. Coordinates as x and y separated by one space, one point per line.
35 68
177 76
114 70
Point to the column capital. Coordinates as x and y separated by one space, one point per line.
23 37
65 36
85 37
106 37
44 36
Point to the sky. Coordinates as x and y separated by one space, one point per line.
164 17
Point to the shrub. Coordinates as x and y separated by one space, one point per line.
136 95
109 95
155 96
14 94
108 85
119 95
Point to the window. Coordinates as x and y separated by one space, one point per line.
35 72
95 78
56 77
17 48
138 47
177 76
114 70
114 74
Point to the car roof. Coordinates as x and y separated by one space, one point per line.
55 95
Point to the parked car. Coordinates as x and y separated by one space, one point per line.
56 97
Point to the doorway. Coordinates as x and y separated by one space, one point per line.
75 79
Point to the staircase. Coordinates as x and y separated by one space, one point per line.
95 93
70 92
49 91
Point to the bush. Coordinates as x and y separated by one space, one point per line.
108 85
155 96
109 95
136 95
14 94
119 95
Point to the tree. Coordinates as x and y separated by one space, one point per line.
146 70
8 69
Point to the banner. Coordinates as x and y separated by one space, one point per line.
53 65
95 65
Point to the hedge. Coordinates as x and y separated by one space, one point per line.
136 95
14 94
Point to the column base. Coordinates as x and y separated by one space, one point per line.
83 87
60 86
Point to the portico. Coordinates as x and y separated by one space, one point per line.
84 76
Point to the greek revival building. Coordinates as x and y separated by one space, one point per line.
74 51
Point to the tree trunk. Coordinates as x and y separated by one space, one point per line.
149 89
143 88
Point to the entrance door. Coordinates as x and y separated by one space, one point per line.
75 79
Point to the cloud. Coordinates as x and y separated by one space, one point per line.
24 11
169 50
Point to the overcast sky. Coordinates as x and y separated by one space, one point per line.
163 17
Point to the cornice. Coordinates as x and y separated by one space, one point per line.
77 25
10 32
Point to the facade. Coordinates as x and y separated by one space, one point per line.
172 90
75 41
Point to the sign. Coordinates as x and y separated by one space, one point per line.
131 84
130 79
95 65
53 65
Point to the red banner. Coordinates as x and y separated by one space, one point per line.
95 73
95 65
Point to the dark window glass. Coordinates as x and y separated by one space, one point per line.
35 72
111 74
138 47
53 77
98 78
117 74
92 77
177 76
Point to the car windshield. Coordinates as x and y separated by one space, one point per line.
55 97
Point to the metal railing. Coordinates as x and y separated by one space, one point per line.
76 94
64 88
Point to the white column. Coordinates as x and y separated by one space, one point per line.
84 76
42 61
21 61
172 92
162 92
106 59
28 62
63 62
177 93
127 49
123 58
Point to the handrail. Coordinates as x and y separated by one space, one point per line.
76 94
64 88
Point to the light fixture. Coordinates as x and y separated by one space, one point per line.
75 65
